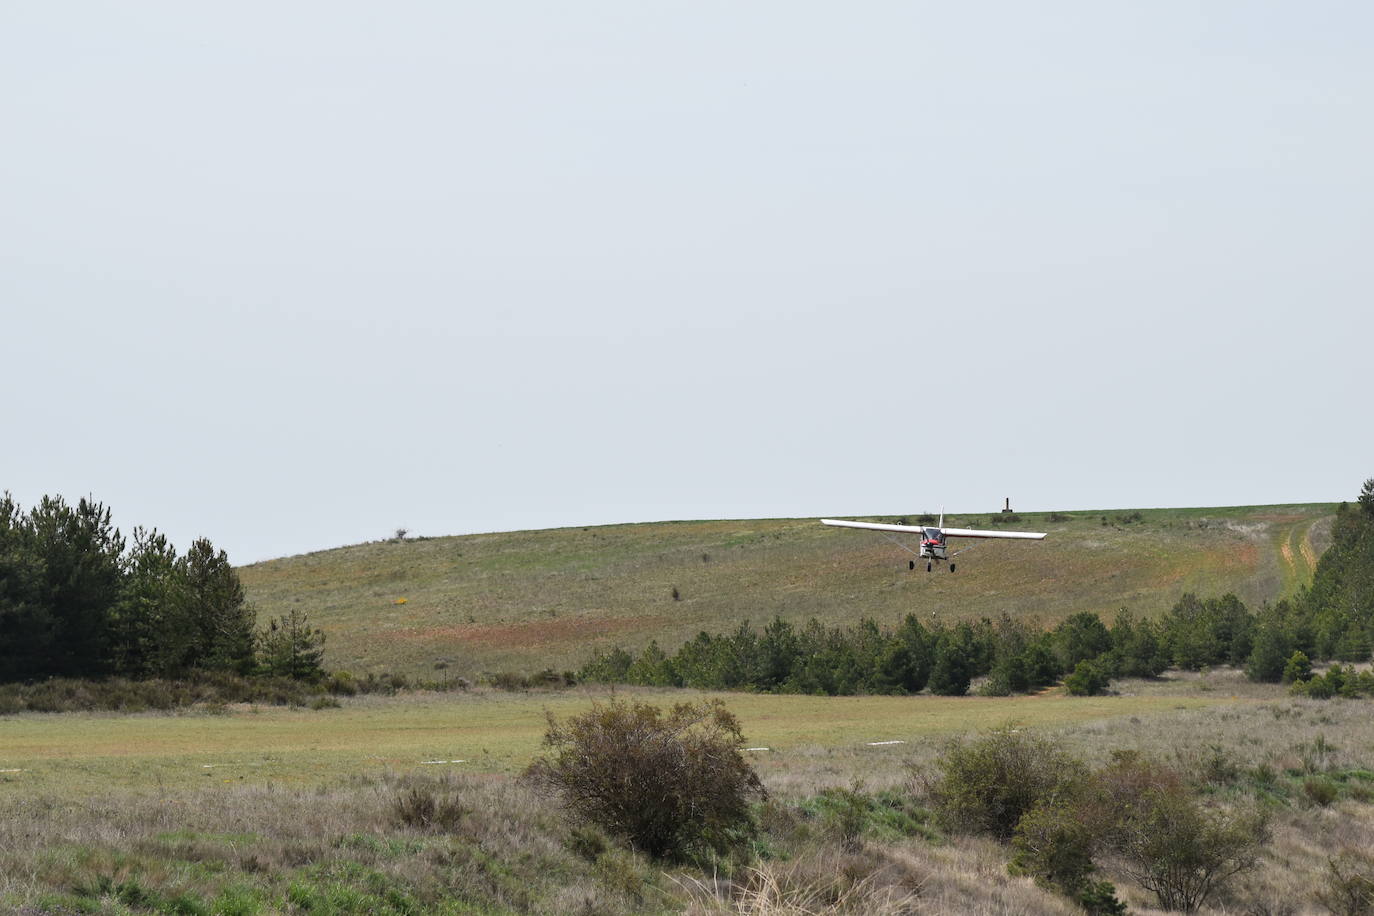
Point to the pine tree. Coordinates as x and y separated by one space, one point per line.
920 645
26 621
953 669
215 601
152 633
1081 636
1271 652
778 650
653 668
80 553
1298 668
290 648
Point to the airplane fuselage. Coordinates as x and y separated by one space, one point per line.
933 544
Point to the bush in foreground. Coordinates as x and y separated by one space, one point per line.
1162 835
1054 845
670 783
989 784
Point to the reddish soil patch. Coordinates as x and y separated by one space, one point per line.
1308 553
527 633
1241 556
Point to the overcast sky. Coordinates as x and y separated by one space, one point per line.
293 275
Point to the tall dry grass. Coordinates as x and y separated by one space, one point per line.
348 847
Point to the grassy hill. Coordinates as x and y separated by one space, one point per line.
534 599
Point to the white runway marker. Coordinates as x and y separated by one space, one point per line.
11 771
883 743
432 762
757 749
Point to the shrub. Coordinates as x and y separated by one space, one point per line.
1349 889
587 842
211 689
847 811
513 680
1089 679
428 808
1319 686
671 784
341 683
1298 668
1098 898
1054 845
1160 835
1319 790
1217 766
987 785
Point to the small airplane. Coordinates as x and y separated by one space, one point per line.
933 549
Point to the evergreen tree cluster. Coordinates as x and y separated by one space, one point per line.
1013 657
79 601
1333 618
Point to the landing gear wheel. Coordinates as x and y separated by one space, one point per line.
910 564
928 567
951 567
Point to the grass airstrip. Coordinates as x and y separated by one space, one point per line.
479 731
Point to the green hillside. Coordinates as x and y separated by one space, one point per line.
459 606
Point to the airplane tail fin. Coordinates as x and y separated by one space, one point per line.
942 516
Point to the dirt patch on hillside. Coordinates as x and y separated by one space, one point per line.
1309 554
1253 529
524 634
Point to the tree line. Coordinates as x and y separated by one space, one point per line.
1015 656
1332 619
78 600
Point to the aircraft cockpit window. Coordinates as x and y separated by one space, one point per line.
933 534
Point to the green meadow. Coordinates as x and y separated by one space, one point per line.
489 731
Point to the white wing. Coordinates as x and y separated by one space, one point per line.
874 526
970 533
948 532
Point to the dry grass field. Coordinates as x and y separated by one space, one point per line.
271 810
524 601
